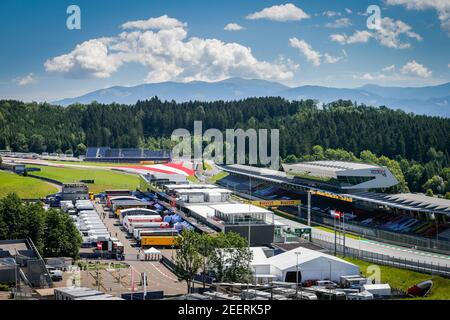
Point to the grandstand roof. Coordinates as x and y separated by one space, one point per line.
342 165
328 168
256 170
422 200
406 201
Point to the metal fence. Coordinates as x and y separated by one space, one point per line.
428 244
327 242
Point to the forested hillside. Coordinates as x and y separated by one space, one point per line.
43 127
303 124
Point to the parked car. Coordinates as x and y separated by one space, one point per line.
56 275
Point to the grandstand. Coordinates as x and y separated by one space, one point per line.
411 215
106 154
342 175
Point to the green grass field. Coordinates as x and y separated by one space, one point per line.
25 187
104 179
403 279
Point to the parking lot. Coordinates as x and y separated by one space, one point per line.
159 277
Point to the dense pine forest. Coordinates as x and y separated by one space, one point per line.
412 141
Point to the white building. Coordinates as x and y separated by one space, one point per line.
345 175
239 213
312 265
203 195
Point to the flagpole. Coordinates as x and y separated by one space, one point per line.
335 234
343 227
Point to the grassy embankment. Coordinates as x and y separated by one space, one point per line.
403 279
24 187
103 179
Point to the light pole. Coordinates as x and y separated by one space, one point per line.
437 227
15 274
335 235
296 275
249 232
309 208
249 271
343 229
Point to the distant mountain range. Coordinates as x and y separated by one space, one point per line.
431 100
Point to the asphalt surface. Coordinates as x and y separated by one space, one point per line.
375 247
159 277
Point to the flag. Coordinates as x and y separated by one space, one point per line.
336 214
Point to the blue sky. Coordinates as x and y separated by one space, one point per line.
293 42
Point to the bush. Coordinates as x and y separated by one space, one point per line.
4 287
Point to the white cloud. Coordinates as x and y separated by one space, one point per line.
331 59
330 13
90 57
391 30
442 8
349 11
390 68
26 80
339 23
310 54
410 71
371 76
163 22
358 37
389 35
167 54
415 68
233 27
284 12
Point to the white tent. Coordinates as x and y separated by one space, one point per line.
152 254
312 265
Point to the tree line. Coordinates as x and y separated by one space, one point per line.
303 124
415 147
52 231
431 176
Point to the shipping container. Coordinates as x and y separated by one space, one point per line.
155 225
139 233
158 241
132 219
